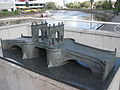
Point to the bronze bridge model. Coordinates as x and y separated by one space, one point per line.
60 49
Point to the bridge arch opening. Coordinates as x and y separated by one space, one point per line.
79 64
41 51
41 55
17 51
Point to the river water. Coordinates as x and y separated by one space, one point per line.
76 15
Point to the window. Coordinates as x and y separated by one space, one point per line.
57 36
35 4
31 4
19 4
41 4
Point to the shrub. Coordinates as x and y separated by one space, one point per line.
50 5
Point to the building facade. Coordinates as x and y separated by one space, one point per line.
31 4
12 5
7 5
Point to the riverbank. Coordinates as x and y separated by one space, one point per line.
62 14
108 27
107 15
57 14
21 18
32 14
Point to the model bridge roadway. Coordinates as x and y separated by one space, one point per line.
59 50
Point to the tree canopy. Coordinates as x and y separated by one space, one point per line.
50 5
107 4
117 5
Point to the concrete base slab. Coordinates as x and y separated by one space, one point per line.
13 77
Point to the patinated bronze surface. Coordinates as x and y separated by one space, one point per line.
59 50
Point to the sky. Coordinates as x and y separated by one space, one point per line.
60 2
67 1
83 0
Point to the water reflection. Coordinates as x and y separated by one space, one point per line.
76 15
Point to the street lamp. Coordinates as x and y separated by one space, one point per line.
91 1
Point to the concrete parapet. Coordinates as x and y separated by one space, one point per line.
13 77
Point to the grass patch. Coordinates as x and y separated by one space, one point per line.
7 13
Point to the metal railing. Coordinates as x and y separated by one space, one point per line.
113 26
96 25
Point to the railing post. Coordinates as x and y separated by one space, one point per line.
1 49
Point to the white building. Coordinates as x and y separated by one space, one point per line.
7 4
11 5
31 4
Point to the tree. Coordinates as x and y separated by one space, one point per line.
70 5
50 5
85 4
110 4
117 5
99 5
107 4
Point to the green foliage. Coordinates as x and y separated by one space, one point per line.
50 5
74 5
87 4
5 10
70 5
117 5
99 5
107 4
16 12
6 14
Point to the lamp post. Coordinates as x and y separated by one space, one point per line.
91 1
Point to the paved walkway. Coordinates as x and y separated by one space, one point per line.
109 27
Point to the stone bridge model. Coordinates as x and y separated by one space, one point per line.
60 49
